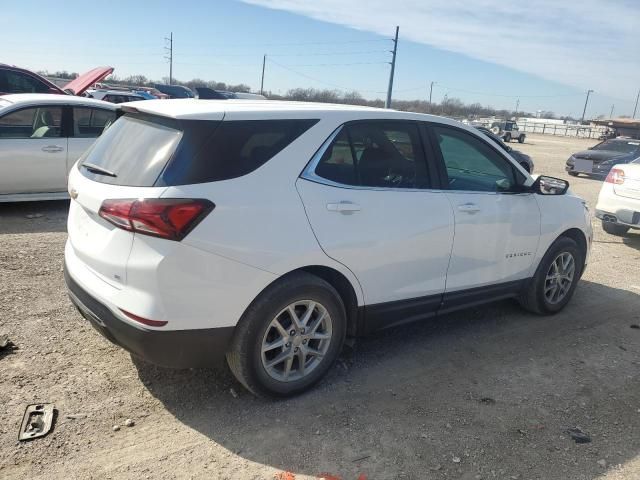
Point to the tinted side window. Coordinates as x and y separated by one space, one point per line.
337 162
41 122
471 164
376 154
14 82
234 149
90 122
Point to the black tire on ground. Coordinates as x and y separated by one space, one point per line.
533 298
573 174
521 139
614 228
507 137
245 355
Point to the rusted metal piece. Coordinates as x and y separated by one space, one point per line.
37 421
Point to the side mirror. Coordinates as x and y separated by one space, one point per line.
549 186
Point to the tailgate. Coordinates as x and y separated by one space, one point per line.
99 245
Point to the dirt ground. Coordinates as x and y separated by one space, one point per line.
480 394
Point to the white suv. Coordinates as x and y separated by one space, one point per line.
269 231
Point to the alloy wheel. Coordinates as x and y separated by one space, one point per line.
296 341
559 278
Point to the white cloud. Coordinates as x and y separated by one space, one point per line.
585 44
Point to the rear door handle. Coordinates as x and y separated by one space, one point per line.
469 208
52 148
343 207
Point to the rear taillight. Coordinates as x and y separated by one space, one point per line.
170 218
615 176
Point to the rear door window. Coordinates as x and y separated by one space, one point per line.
376 154
90 122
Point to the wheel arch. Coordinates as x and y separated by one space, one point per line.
345 289
344 286
577 236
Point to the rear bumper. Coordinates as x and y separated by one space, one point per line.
625 210
172 349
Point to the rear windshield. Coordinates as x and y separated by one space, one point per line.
134 151
621 146
142 150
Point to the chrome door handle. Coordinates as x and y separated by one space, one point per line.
469 208
52 148
343 207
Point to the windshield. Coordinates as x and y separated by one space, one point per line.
621 146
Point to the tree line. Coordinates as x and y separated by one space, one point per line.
449 106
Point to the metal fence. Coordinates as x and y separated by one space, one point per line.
564 130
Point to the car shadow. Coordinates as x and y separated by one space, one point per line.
480 381
632 239
34 217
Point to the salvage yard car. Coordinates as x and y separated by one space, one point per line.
41 137
267 232
619 201
598 160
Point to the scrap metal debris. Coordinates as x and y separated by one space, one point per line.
37 421
6 345
578 435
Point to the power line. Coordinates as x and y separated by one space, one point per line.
287 44
309 77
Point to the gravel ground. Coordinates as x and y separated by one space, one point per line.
480 394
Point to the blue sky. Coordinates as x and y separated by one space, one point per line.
547 53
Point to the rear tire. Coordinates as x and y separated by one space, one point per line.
507 137
573 174
540 296
615 229
307 350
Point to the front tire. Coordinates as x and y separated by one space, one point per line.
555 279
521 139
289 337
614 229
573 174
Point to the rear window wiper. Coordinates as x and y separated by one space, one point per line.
99 170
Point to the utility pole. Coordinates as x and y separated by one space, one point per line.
517 105
589 92
611 114
635 109
393 67
431 91
169 56
264 60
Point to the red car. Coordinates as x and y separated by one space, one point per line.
19 80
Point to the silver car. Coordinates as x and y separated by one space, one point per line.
41 137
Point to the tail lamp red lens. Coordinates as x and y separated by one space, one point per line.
615 176
169 218
145 321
